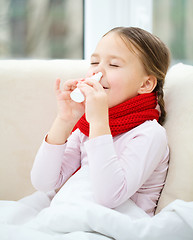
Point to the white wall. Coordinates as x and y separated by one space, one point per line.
102 15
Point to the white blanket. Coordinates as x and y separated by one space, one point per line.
73 215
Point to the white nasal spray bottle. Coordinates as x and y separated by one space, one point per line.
77 96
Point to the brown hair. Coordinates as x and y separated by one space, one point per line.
154 55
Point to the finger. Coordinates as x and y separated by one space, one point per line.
60 94
70 85
94 84
57 86
86 89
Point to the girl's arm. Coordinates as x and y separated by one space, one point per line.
69 112
117 175
54 164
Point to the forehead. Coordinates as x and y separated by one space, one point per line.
114 44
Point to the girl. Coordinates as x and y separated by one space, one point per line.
117 142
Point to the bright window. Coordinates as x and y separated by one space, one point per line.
41 28
172 22
54 28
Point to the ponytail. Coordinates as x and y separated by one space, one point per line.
161 103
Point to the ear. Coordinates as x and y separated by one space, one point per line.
148 84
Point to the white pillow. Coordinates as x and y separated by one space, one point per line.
179 126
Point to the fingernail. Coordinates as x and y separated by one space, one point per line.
80 81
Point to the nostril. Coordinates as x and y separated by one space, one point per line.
97 76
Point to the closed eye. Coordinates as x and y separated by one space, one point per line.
94 63
114 65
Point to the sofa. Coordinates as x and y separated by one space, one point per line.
28 107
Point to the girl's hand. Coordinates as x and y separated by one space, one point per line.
68 110
96 107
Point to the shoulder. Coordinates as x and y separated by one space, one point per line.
151 128
149 138
149 133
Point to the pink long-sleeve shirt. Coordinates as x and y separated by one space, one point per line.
131 165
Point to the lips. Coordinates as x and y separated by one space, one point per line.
104 87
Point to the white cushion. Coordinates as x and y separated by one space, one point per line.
28 108
179 126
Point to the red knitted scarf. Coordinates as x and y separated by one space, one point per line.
127 115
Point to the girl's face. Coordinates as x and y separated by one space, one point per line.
123 73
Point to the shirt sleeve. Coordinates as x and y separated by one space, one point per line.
116 177
54 164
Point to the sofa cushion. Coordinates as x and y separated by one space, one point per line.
28 108
179 127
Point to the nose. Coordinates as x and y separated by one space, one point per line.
95 68
99 77
99 69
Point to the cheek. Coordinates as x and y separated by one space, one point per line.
89 73
115 81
